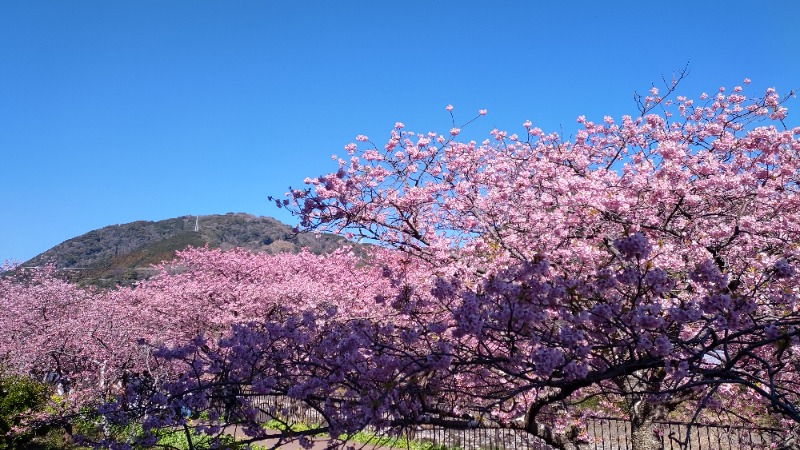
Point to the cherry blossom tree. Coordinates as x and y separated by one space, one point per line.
206 291
346 338
203 311
670 241
81 342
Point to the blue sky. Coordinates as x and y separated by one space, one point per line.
112 112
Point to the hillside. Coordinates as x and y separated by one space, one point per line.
121 254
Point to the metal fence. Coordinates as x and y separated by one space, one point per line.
288 409
604 433
478 438
614 434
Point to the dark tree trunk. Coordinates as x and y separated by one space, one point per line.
567 440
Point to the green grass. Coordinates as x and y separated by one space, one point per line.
176 439
362 437
279 425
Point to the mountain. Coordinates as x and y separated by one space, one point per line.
121 254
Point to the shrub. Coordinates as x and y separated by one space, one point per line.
19 398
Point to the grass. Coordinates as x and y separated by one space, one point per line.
362 437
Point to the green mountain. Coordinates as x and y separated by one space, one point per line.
122 254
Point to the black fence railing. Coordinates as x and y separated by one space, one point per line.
604 433
478 438
615 434
287 409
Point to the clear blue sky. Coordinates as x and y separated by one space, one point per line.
115 111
